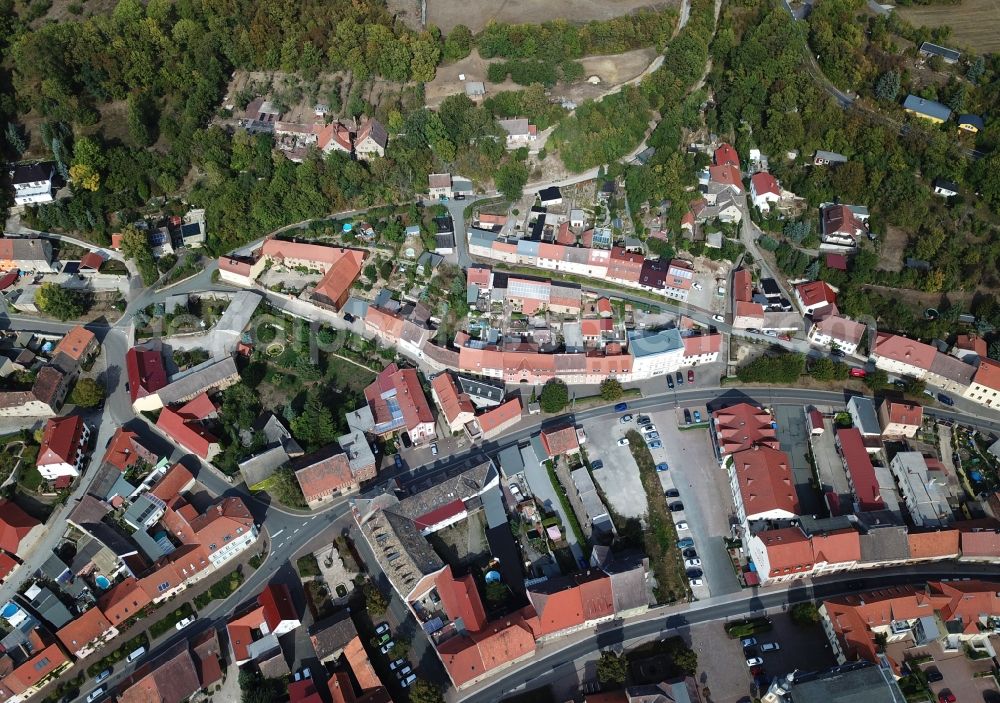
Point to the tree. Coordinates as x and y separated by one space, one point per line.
315 426
59 302
612 668
425 692
458 43
135 245
140 118
510 179
611 389
87 393
375 602
555 396
887 86
285 488
877 380
496 593
976 70
805 614
994 350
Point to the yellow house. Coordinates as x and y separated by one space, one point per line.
927 109
970 123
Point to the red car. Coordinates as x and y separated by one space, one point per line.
946 697
858 373
690 376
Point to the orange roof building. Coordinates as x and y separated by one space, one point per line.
472 657
985 387
86 633
940 544
341 267
77 345
124 601
570 603
24 681
788 553
461 600
456 406
560 440
762 485
16 527
497 420
124 451
398 403
740 427
900 418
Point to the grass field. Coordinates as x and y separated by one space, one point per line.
477 13
975 24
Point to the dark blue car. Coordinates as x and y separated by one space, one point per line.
945 399
621 407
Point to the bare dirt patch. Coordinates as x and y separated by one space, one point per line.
613 70
973 22
476 14
893 244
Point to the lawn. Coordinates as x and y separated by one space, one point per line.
661 536
307 566
220 590
164 625
973 22
30 480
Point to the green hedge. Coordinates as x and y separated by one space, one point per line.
223 589
119 653
746 628
164 625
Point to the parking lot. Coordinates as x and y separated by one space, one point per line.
619 476
960 675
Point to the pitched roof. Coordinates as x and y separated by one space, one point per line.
322 472
702 344
331 635
742 426
75 343
357 659
904 413
467 657
276 600
839 328
170 678
742 285
764 477
500 415
763 182
930 108
860 469
788 550
816 293
15 524
560 440
124 450
372 128
904 350
341 276
173 482
460 599
47 384
566 602
727 175
836 546
397 398
928 545
183 425
146 373
988 373
452 402
86 628
61 440
35 669
980 542
852 617
726 155
123 601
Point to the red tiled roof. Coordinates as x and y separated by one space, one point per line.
565 603
726 154
460 598
146 374
15 524
276 600
742 286
852 617
816 293
971 342
904 413
453 402
702 344
860 469
980 542
233 265
86 628
742 426
341 276
564 236
303 691
468 657
35 669
357 659
988 374
8 279
604 306
7 565
907 351
175 480
836 547
331 473
91 260
928 545
186 432
788 551
240 632
76 342
728 175
764 477
763 182
478 275
559 441
500 415
125 600
61 440
124 450
409 395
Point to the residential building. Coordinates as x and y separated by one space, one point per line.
568 604
985 385
814 295
473 656
44 399
841 226
177 674
18 531
240 271
87 633
740 427
927 49
929 110
908 357
762 485
185 426
333 137
764 190
328 473
520 132
596 516
789 553
33 183
340 267
559 441
923 486
146 373
837 332
971 123
945 188
863 416
63 449
398 404
656 354
76 347
330 636
900 418
725 155
679 279
44 662
26 254
549 196
826 158
254 635
371 140
861 475
439 185
499 419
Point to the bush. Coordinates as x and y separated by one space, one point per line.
784 368
745 628
220 590
805 614
555 396
611 389
307 566
375 602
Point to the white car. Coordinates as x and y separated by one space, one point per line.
184 623
408 680
625 419
696 582
404 672
690 563
623 442
95 694
770 333
434 449
398 664
696 286
649 428
754 661
718 318
387 646
770 647
681 526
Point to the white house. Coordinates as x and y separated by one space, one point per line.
835 330
64 445
32 183
439 185
519 132
946 189
764 190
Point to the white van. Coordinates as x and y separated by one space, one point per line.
136 654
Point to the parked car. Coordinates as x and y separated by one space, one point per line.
595 465
695 582
837 352
398 664
933 675
662 466
102 676
690 553
672 492
687 416
135 654
945 399
694 573
643 420
946 696
718 318
670 382
692 563
685 542
652 435
657 444
649 428
676 507
385 648
625 419
681 526
405 683
95 694
181 624
399 462
770 647
679 378
434 449
770 333
748 642
857 373
623 442
697 416
404 672
690 375
382 628
696 285
754 661
384 638
621 407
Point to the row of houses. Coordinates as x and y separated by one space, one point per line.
53 378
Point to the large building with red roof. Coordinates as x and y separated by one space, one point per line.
469 658
456 406
742 426
985 386
567 604
789 553
18 530
860 471
185 426
124 451
86 633
907 357
398 404
328 473
762 485
18 682
146 373
900 418
64 446
814 295
340 267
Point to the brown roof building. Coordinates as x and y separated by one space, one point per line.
326 474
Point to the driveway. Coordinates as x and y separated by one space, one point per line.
794 438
